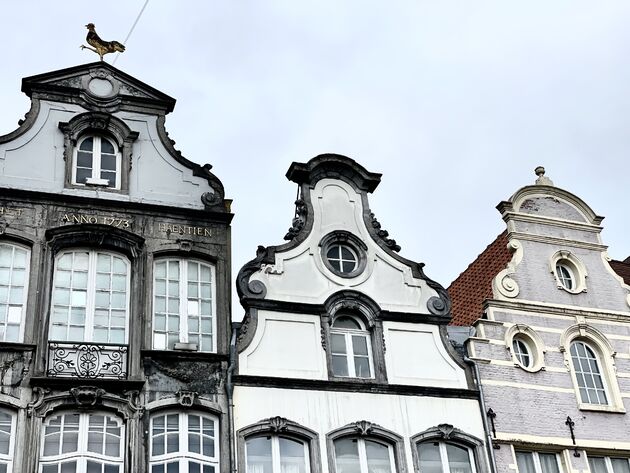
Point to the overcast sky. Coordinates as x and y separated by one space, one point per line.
454 102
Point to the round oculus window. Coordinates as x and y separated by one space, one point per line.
342 258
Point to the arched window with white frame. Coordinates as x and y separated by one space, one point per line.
363 455
444 457
97 162
588 373
7 440
82 442
14 273
184 441
278 445
90 299
351 350
184 305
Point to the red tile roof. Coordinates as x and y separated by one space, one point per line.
473 286
622 268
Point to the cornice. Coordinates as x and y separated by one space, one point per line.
551 221
555 309
556 241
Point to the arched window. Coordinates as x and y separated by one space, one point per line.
86 442
588 374
7 436
351 350
184 305
276 454
97 162
14 270
364 447
90 300
278 445
446 449
444 457
363 455
184 441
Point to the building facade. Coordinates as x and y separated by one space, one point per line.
552 341
114 285
343 363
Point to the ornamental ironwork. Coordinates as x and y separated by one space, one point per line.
87 360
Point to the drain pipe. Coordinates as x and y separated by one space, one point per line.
229 388
484 417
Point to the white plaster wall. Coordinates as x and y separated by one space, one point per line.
325 411
300 275
416 355
34 161
285 345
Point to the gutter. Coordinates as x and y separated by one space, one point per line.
229 388
484 417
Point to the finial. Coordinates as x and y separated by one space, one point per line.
542 179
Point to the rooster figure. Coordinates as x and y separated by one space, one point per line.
101 47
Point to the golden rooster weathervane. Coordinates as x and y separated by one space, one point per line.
101 47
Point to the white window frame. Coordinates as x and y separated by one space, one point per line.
607 461
339 258
348 334
601 373
82 455
96 180
183 454
276 459
444 454
183 301
91 291
575 268
7 459
27 274
534 343
521 350
363 464
537 464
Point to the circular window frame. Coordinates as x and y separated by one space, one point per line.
574 266
532 341
343 238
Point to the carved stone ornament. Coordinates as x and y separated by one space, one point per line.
210 198
323 335
255 288
363 427
298 222
503 285
384 234
87 396
278 424
186 398
446 430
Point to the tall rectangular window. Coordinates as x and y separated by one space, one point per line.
183 305
537 462
14 262
90 297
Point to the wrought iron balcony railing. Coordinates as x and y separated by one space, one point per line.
87 360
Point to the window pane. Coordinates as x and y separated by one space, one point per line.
87 144
458 459
597 465
347 456
359 345
83 175
548 463
338 343
620 465
378 459
340 365
429 457
106 146
259 455
525 462
362 367
108 162
346 322
292 459
84 160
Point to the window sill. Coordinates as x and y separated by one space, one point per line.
601 408
17 346
179 354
